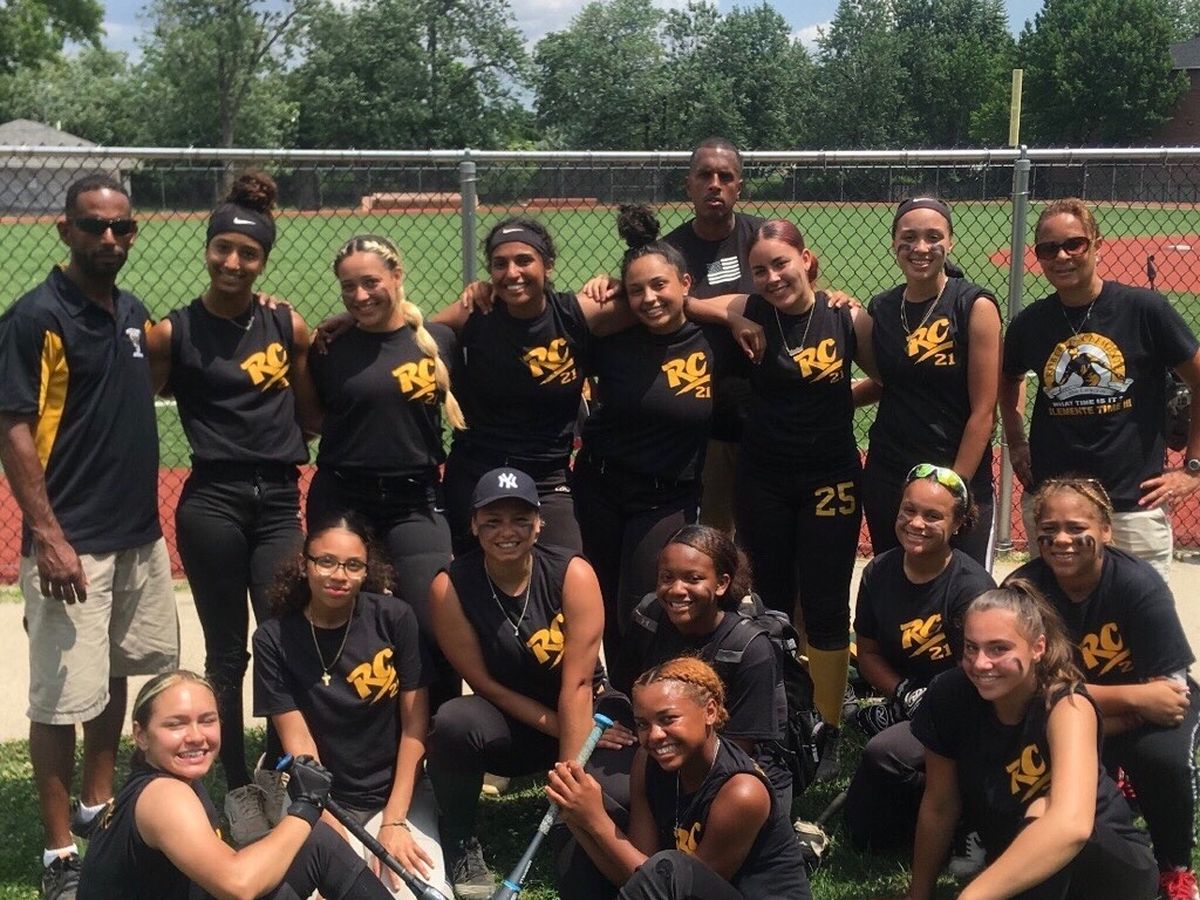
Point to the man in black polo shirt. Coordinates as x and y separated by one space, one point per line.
79 445
715 245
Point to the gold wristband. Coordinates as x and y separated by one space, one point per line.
398 824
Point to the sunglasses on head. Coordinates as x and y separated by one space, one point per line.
947 478
97 226
1073 247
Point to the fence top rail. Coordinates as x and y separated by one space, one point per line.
11 154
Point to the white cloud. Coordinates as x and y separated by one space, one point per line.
809 33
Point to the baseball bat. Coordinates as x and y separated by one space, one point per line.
419 888
511 886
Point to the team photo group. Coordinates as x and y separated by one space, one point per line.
604 535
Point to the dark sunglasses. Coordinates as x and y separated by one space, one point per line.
97 226
1073 246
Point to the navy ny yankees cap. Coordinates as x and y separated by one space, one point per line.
502 483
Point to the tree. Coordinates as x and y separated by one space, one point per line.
958 55
1186 16
601 81
862 85
214 69
411 73
32 31
1099 71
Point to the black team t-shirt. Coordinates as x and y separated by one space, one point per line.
918 626
522 653
1003 768
926 401
751 685
519 380
1102 377
1127 630
355 719
652 401
774 867
801 414
231 384
119 862
381 400
84 375
718 268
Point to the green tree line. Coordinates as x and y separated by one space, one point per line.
624 74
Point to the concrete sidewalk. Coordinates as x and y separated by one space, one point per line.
14 646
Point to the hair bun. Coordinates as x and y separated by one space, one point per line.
637 225
254 189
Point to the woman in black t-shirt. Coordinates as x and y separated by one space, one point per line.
159 838
341 673
704 821
797 504
1013 740
382 387
908 624
937 345
637 475
521 621
239 374
702 577
1131 646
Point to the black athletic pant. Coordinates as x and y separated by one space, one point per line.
236 523
1161 765
801 536
326 863
1109 865
464 467
882 488
407 516
470 736
885 792
625 519
675 875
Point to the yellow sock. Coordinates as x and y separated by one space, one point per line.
830 670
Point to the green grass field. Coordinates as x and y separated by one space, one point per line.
851 240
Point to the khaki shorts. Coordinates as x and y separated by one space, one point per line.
127 626
1144 533
717 482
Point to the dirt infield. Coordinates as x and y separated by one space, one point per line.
170 483
1176 259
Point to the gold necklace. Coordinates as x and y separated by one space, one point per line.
516 626
711 766
325 669
908 332
812 312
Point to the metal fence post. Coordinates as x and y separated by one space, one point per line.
466 183
1016 289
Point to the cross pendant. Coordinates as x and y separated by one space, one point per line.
325 679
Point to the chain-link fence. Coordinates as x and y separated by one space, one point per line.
436 205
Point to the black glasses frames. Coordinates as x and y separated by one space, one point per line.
95 225
1046 250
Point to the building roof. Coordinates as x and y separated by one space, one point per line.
1186 54
24 132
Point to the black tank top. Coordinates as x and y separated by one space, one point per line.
922 351
231 384
119 865
801 411
774 867
519 380
523 654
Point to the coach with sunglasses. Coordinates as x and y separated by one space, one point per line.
1101 352
79 446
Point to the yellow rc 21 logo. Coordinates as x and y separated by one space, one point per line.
267 368
925 636
932 341
1028 773
1105 650
690 375
417 380
551 363
819 363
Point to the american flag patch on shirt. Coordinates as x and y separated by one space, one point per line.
724 270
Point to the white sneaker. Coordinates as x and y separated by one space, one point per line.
494 785
245 808
971 860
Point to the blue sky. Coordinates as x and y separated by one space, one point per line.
536 17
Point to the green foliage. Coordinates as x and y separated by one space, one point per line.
1185 16
32 31
1098 72
411 73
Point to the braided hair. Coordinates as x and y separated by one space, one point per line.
390 254
699 681
1088 488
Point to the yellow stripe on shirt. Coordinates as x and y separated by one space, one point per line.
52 395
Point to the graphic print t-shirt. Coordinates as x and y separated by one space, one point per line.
1102 391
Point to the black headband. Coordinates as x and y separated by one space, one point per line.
507 234
922 203
231 217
